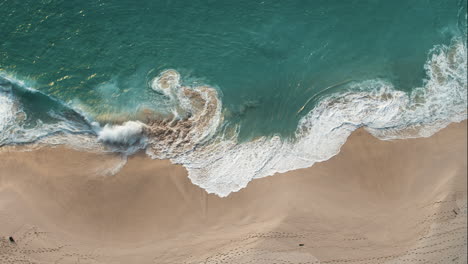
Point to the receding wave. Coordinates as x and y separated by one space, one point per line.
191 131
51 123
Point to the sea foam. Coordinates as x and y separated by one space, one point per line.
227 166
9 111
128 133
193 134
15 129
6 111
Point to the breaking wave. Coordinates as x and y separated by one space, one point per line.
192 132
225 165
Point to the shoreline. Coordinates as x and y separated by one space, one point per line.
375 200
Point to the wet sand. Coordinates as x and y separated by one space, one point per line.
402 201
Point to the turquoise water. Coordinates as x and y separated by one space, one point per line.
266 57
231 90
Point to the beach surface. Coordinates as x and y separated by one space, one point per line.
402 201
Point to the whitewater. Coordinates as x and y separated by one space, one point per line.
192 130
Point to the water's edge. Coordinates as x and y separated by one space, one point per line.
193 132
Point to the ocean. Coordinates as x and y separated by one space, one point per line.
232 90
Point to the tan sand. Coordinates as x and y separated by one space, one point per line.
401 201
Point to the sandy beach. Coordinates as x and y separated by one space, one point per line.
402 201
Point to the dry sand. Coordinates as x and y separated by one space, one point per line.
401 201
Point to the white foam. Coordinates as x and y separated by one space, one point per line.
227 166
222 165
6 112
6 107
129 133
14 131
11 113
166 82
197 108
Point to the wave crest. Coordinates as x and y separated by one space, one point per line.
227 166
189 133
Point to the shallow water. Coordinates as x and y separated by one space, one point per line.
307 71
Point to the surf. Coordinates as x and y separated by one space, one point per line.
192 130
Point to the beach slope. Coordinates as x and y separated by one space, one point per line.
402 201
